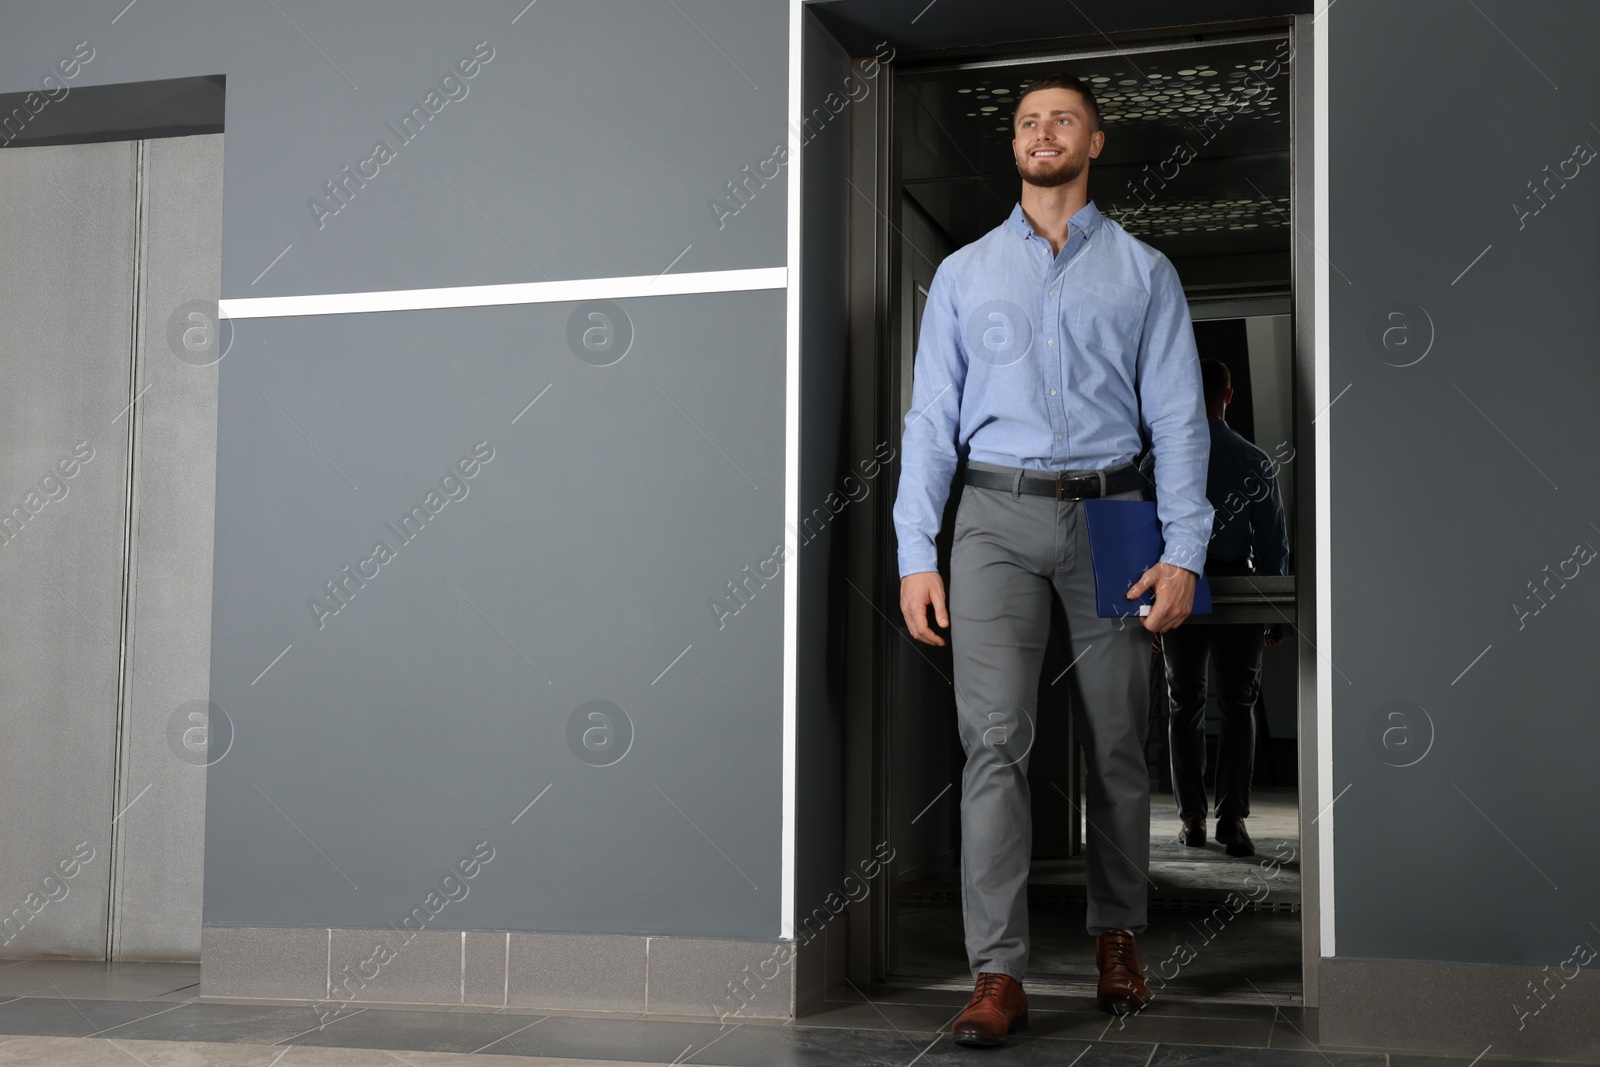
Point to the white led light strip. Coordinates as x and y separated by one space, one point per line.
461 296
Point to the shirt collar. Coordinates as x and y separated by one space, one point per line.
1087 219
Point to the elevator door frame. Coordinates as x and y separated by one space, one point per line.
872 296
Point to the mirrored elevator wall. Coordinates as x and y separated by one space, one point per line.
110 258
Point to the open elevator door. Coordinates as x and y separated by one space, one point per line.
1222 211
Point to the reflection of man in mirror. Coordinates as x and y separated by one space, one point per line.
1053 350
1249 536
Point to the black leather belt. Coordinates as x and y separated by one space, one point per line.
1060 486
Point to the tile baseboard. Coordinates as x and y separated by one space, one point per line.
635 974
1459 1008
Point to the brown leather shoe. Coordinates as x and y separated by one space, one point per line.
998 1007
1193 833
1231 833
1122 986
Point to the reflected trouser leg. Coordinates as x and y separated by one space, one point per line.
999 622
1184 651
1110 693
1237 652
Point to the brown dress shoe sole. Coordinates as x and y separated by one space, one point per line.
1019 1024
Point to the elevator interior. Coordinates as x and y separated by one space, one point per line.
1197 163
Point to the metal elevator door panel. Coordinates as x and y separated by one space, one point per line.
110 258
68 244
168 740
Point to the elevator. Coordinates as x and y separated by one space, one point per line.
108 413
1200 162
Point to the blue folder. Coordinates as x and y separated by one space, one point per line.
1124 542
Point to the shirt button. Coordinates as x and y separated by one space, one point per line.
1058 437
1052 292
1052 392
1051 341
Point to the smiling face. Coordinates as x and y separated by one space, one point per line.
1054 139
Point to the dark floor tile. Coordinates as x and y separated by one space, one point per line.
1034 1052
881 1015
1067 1025
643 1040
1286 1034
1053 999
419 1031
1201 1007
233 1024
1409 1060
900 994
801 1046
59 1017
1190 1030
1201 1056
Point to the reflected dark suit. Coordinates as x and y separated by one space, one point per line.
1250 536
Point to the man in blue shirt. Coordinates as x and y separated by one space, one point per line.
1250 536
1053 350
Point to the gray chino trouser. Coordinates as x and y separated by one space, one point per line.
1010 552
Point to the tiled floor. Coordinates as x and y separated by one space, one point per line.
82 1014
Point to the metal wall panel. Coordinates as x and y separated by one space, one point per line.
67 224
165 749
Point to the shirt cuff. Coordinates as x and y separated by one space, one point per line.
1191 556
917 558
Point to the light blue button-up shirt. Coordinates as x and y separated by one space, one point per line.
1055 362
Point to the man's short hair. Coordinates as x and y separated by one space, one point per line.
1215 380
1061 80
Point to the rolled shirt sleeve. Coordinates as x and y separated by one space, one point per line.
928 443
1172 411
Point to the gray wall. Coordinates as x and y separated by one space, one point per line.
1457 480
416 722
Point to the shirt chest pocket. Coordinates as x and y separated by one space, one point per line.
1108 315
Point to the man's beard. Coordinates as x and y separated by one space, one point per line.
1064 175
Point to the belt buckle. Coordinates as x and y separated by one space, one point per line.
1062 478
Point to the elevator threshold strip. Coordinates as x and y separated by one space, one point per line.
1188 899
1086 986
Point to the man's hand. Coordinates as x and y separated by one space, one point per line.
1174 588
917 591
